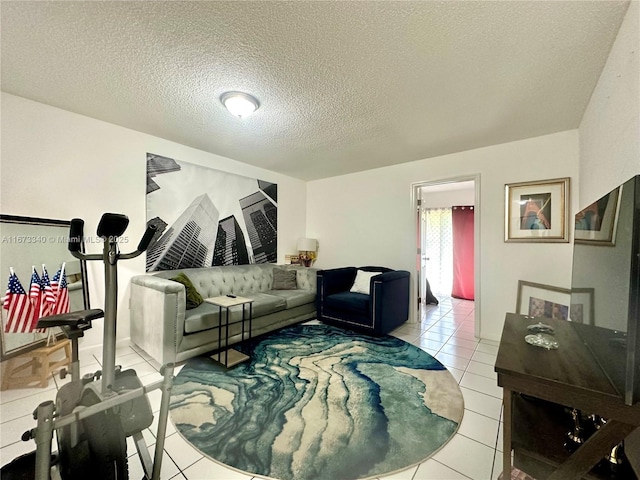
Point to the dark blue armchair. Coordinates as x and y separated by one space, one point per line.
385 308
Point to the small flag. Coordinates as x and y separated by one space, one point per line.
36 298
49 300
18 305
34 289
61 292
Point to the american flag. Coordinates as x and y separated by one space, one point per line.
49 300
18 305
36 298
61 292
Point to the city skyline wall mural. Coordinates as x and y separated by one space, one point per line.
207 217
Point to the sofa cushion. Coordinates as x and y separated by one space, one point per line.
294 298
193 297
205 316
356 303
284 279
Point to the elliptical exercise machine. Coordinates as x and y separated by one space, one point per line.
93 415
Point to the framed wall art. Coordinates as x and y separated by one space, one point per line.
206 217
597 224
582 308
538 300
292 259
537 211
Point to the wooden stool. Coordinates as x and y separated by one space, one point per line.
42 366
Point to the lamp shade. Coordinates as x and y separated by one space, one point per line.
307 244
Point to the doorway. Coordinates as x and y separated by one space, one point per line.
433 203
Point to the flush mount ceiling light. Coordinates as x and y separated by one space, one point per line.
239 104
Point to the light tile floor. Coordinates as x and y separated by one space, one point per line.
446 331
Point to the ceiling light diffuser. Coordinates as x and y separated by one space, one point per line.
239 104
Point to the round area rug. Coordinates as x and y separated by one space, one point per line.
319 403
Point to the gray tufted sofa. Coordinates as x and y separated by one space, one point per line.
162 327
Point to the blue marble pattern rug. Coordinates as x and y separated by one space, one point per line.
319 403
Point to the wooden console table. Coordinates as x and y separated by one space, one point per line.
567 376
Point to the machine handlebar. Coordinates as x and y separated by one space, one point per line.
76 232
110 228
146 238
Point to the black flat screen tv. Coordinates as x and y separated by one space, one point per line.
605 285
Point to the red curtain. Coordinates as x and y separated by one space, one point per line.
462 226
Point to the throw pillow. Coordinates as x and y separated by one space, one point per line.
284 279
193 296
363 282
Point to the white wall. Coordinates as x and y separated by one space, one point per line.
609 156
368 218
57 164
610 127
447 198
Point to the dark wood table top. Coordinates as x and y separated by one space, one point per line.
568 375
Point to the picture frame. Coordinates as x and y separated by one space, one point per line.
537 211
582 306
538 300
292 259
597 224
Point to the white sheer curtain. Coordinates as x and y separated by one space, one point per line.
438 249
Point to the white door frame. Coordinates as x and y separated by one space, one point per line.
415 196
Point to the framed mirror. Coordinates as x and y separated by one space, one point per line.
28 243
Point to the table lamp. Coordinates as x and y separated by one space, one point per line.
307 248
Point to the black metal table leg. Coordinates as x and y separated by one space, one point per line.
226 339
219 332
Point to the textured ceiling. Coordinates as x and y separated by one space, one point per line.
343 86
